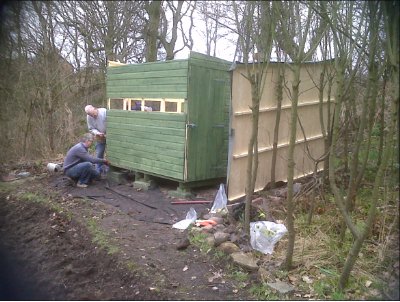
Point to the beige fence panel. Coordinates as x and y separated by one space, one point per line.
308 113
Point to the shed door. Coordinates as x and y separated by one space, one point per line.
207 125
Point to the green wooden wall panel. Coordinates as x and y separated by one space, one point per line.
148 67
154 87
208 108
128 94
144 135
126 164
158 74
143 83
168 132
121 122
148 80
147 141
149 159
139 115
159 153
156 143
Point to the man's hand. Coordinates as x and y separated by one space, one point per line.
106 162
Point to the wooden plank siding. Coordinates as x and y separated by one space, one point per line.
208 110
163 145
149 142
308 114
148 80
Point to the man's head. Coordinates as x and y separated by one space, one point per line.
87 139
91 111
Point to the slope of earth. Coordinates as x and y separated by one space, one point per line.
104 242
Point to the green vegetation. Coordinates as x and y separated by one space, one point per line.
100 237
7 187
200 240
261 292
33 197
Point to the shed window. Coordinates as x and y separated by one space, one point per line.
147 104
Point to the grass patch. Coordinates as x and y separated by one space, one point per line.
132 266
318 250
262 292
100 238
199 240
7 187
33 197
239 276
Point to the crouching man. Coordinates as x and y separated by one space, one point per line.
78 162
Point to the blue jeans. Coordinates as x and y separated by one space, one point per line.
84 172
100 150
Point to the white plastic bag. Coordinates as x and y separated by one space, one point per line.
220 200
191 217
265 234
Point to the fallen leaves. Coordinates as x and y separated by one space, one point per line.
307 279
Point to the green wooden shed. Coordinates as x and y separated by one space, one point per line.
185 136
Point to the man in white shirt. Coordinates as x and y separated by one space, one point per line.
97 123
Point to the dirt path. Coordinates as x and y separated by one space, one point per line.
128 252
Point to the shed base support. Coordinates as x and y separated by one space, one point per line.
117 176
144 182
182 191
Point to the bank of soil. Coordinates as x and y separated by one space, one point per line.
104 242
113 242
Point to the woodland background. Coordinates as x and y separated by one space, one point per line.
53 58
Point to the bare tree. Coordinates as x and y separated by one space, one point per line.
298 27
345 40
109 30
212 12
256 27
169 34
279 98
153 9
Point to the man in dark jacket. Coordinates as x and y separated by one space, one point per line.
78 162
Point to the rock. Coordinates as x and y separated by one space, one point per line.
220 227
207 229
263 274
183 244
261 204
196 229
234 237
230 229
210 240
246 247
228 247
220 237
281 287
244 260
23 174
211 215
207 216
218 220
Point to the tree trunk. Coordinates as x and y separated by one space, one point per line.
279 92
154 11
357 245
252 160
382 119
291 165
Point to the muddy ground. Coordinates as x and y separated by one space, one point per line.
112 242
49 254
